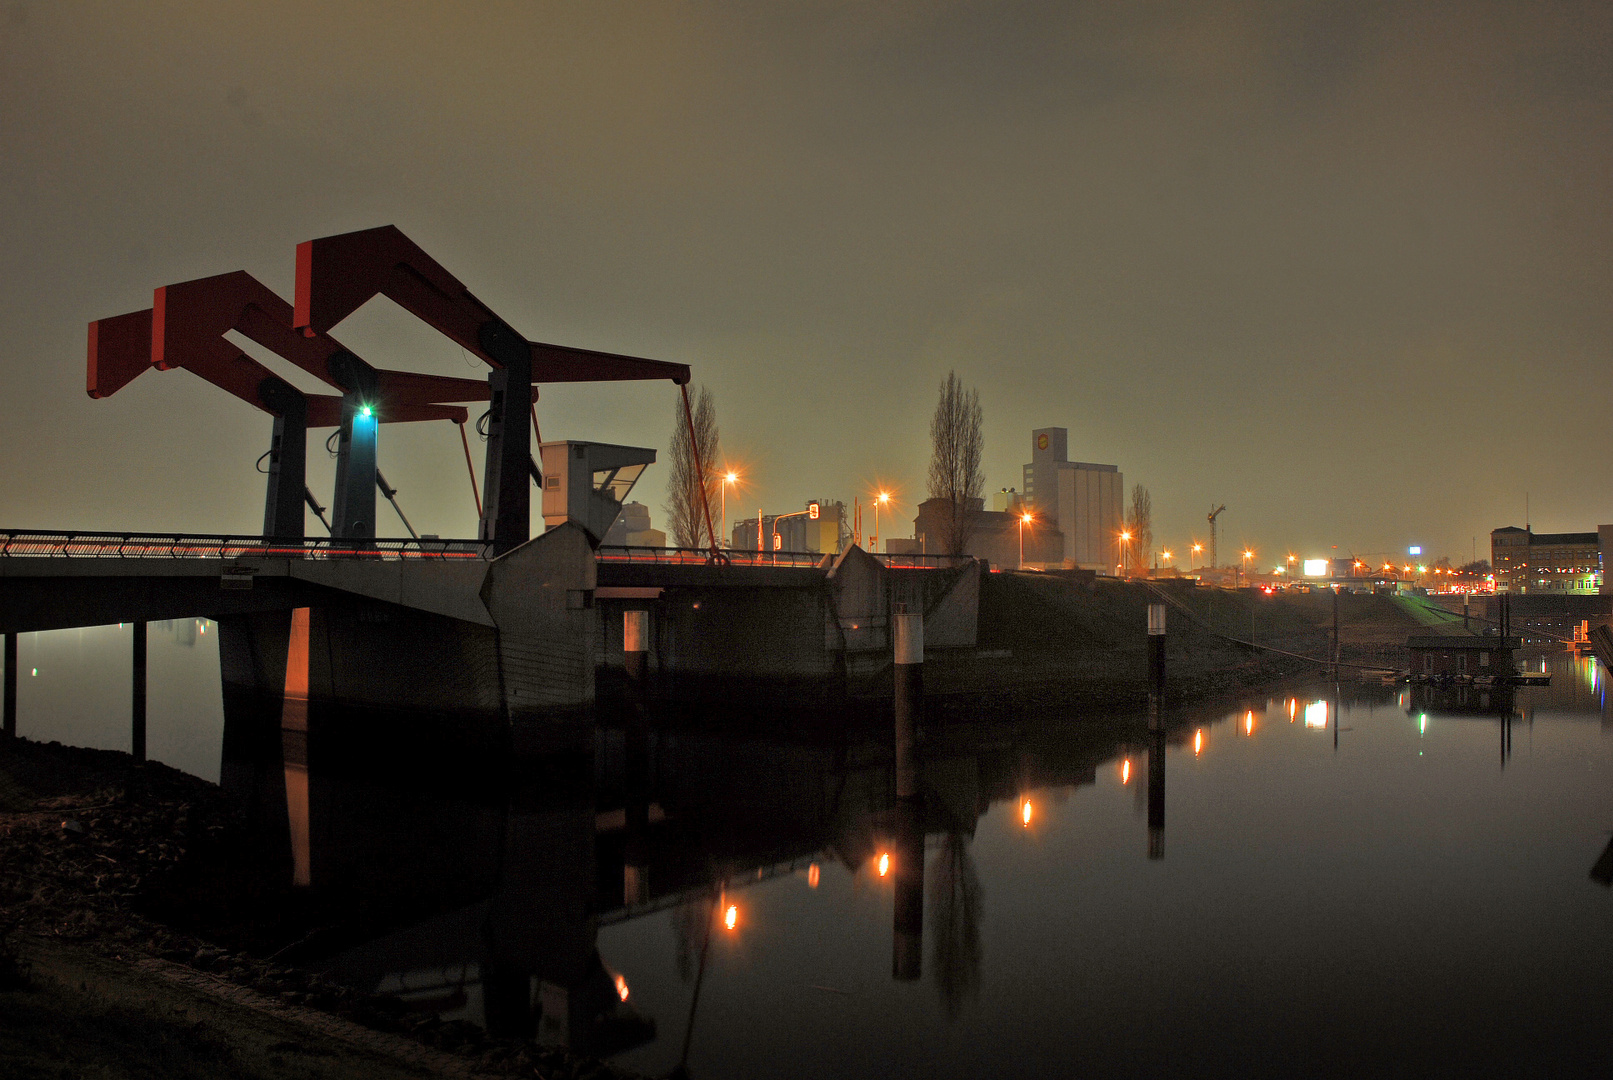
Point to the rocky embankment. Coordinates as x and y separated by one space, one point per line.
87 840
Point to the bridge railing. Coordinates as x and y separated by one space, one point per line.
673 556
676 556
45 543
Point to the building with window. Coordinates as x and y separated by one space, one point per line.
1434 654
994 536
1084 501
1528 562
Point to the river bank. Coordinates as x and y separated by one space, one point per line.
92 979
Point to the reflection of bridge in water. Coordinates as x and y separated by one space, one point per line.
617 823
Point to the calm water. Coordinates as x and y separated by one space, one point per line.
1399 886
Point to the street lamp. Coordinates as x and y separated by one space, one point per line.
1196 549
879 500
730 477
1247 555
1125 547
1024 520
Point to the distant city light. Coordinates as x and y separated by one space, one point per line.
1316 714
1125 771
730 917
621 987
1198 741
1025 812
884 863
1414 550
813 874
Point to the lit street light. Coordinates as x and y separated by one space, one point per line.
730 477
1125 549
880 500
1024 520
1197 548
1247 555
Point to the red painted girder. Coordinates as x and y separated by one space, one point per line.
336 275
120 349
199 313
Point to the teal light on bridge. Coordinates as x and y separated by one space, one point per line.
365 411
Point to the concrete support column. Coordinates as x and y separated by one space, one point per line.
288 460
353 509
909 678
1156 664
11 687
137 704
636 646
636 759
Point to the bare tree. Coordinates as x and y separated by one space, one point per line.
686 510
955 448
1140 524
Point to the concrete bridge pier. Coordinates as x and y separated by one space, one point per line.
636 758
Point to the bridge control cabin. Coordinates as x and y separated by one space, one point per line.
1435 654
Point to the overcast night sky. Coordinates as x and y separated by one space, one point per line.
1344 267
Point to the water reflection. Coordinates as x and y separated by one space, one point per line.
957 901
656 888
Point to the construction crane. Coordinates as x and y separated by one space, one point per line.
1213 515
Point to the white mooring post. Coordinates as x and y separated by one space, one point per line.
1156 663
909 679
